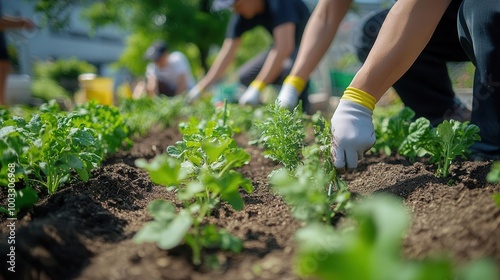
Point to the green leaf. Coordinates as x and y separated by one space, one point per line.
494 174
191 190
68 161
25 199
483 269
227 186
163 170
496 198
162 210
173 233
214 147
168 229
213 238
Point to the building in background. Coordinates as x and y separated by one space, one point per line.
73 41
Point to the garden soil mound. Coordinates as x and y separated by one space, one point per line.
86 230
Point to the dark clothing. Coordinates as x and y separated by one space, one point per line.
426 86
167 89
276 13
479 33
251 69
4 55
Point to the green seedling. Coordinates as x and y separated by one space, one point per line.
200 168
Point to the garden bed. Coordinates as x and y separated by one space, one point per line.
85 230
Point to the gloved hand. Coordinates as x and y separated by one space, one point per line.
193 94
290 92
352 128
252 94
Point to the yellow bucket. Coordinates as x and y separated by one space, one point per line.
99 89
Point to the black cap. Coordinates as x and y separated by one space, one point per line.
219 5
156 50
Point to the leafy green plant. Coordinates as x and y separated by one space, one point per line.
417 138
309 190
48 89
24 199
63 69
108 124
372 249
282 135
449 140
494 177
52 144
313 189
144 113
200 168
494 174
392 131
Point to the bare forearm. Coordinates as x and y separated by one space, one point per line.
273 65
318 35
223 60
404 34
181 84
7 22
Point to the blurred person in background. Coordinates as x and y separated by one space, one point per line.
285 20
8 23
168 73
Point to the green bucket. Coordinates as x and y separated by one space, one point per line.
340 81
227 91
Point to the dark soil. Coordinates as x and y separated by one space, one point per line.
85 230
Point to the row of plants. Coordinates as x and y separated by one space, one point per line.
48 146
443 144
370 247
201 169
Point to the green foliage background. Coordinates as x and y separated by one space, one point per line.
186 25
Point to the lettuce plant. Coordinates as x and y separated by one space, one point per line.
449 140
201 169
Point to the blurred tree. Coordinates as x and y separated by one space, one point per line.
180 23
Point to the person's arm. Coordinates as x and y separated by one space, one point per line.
181 84
283 46
8 22
224 58
151 85
318 35
403 35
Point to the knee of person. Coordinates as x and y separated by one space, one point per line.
245 80
366 32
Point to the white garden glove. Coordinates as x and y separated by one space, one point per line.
252 94
290 92
352 128
193 94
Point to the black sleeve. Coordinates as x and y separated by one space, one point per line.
238 25
283 12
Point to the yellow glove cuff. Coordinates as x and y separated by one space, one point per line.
297 82
363 98
259 85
